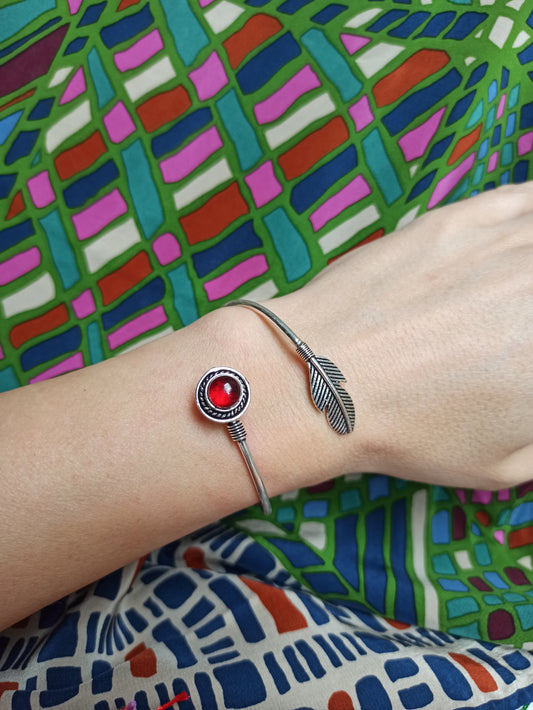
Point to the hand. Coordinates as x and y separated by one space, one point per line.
433 329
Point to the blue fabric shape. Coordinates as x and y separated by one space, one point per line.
346 549
342 647
324 583
127 27
438 150
330 652
21 146
387 19
404 604
476 76
495 580
138 621
12 236
398 668
298 554
421 101
63 685
522 514
466 24
328 13
92 14
378 487
109 586
175 589
315 185
316 509
371 694
146 296
517 661
102 675
316 610
520 172
453 585
256 560
418 696
422 185
290 7
88 186
267 62
241 683
205 690
180 131
460 108
49 349
526 55
377 644
450 678
41 109
63 642
278 676
6 184
240 130
240 607
167 633
440 527
437 24
297 669
375 569
409 25
504 673
7 125
76 45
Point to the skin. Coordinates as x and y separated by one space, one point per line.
432 327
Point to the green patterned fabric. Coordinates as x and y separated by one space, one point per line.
160 158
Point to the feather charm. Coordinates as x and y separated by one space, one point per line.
327 393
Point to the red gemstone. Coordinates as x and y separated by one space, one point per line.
224 392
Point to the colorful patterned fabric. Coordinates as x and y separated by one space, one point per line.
159 158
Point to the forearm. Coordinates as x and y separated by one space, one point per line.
103 465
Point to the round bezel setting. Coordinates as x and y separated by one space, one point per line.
218 413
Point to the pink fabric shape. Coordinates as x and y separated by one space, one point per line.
189 158
479 496
361 113
119 123
493 162
1 353
139 52
74 362
18 265
209 78
353 42
166 248
459 492
501 107
74 6
525 143
415 143
93 219
205 3
237 276
351 193
137 326
263 184
499 535
75 87
277 103
84 304
41 190
504 494
448 182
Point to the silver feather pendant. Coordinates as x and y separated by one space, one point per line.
325 377
326 391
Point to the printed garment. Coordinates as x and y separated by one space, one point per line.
159 158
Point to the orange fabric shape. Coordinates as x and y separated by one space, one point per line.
50 320
340 700
414 70
127 3
464 144
300 158
125 277
74 160
194 558
279 606
253 33
17 206
521 538
163 108
215 215
143 662
17 99
480 675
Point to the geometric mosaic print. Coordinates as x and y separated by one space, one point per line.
161 157
455 560
185 629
